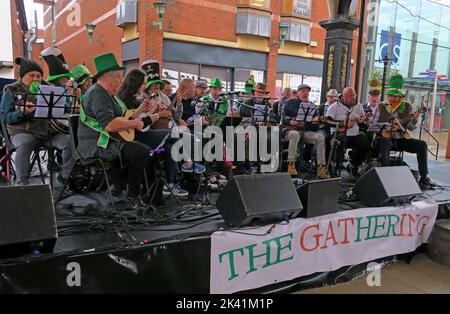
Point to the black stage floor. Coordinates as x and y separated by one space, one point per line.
179 238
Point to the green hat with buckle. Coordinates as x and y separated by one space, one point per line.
81 74
396 86
106 63
215 83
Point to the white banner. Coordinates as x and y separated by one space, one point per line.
255 257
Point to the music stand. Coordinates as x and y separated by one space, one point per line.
49 100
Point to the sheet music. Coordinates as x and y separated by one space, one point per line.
43 101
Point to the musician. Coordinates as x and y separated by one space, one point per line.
220 104
132 94
374 99
399 114
299 117
278 106
258 107
168 88
201 89
332 96
83 79
100 118
351 114
59 73
25 131
155 85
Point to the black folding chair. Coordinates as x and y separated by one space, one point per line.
11 149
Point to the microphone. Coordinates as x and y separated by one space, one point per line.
230 93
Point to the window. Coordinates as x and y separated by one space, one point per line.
224 74
175 72
242 76
253 24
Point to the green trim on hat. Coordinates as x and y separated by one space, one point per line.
106 63
216 83
55 77
150 83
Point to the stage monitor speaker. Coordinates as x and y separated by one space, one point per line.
320 197
259 198
380 186
27 220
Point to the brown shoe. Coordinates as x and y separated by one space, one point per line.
292 169
322 173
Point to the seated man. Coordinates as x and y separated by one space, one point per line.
100 117
299 118
351 114
27 132
399 114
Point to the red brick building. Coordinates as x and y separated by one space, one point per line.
229 39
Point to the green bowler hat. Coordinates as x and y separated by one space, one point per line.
106 63
81 74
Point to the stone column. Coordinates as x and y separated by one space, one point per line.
338 53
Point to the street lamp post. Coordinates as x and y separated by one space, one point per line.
160 11
283 33
385 61
90 29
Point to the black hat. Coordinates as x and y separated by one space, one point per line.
27 65
57 65
151 69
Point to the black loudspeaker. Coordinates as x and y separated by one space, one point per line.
319 198
266 198
388 184
27 220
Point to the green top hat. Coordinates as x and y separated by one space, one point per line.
81 74
106 63
396 86
215 83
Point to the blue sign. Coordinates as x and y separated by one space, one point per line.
396 44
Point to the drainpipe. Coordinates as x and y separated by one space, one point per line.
32 39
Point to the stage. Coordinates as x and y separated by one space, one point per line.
115 252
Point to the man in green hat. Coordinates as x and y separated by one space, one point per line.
100 118
399 114
219 104
83 79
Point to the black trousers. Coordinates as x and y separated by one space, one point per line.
360 146
418 147
135 157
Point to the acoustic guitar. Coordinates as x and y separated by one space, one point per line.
129 134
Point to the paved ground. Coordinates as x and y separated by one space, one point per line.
422 276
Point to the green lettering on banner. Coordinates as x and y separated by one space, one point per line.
252 256
377 227
391 226
359 227
231 259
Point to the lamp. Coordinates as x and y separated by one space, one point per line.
90 29
284 31
160 8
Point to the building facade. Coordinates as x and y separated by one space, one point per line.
201 39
